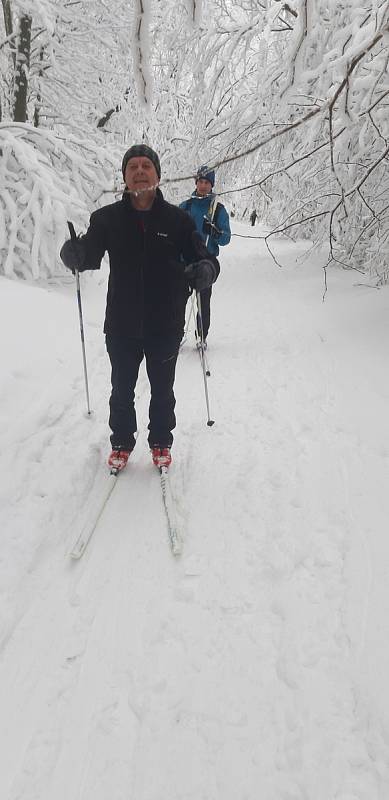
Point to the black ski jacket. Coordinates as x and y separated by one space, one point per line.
147 288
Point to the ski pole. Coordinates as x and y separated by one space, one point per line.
73 236
211 214
191 312
202 359
201 347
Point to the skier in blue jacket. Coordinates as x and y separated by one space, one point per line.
213 224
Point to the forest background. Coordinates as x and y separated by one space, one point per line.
289 101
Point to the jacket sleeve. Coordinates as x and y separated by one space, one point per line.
223 223
96 242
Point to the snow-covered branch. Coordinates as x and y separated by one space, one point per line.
141 50
44 181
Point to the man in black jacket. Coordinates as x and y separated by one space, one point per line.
156 257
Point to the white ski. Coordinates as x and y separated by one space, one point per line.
168 502
91 523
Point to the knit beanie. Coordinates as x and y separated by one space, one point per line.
206 173
141 150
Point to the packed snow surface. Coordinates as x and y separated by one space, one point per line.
255 665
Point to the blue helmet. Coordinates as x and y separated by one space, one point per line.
206 173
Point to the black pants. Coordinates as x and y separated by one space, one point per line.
205 297
126 356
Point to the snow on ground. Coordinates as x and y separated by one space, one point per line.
255 665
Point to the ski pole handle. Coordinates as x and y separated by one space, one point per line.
72 232
73 237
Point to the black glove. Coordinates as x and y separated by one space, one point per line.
201 274
73 254
210 229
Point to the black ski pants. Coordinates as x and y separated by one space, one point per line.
126 355
205 297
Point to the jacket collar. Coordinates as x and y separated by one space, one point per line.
158 200
207 197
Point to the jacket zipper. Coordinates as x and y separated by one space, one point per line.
142 280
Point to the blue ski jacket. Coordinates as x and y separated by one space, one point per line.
198 208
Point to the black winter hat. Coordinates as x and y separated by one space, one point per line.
141 150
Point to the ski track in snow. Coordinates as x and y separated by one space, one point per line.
233 672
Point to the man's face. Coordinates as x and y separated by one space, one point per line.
203 187
140 174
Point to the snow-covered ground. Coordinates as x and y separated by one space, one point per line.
255 665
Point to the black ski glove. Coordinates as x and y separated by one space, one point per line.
209 229
73 254
201 274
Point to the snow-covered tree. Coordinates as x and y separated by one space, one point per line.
289 100
292 102
61 159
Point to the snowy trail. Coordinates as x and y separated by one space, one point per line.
239 670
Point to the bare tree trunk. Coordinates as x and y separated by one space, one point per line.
7 17
21 69
7 14
39 96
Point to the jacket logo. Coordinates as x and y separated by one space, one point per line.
165 235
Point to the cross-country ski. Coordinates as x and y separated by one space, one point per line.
96 505
175 535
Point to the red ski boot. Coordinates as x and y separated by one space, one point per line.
161 456
118 459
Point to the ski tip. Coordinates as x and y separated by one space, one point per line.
75 555
175 541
